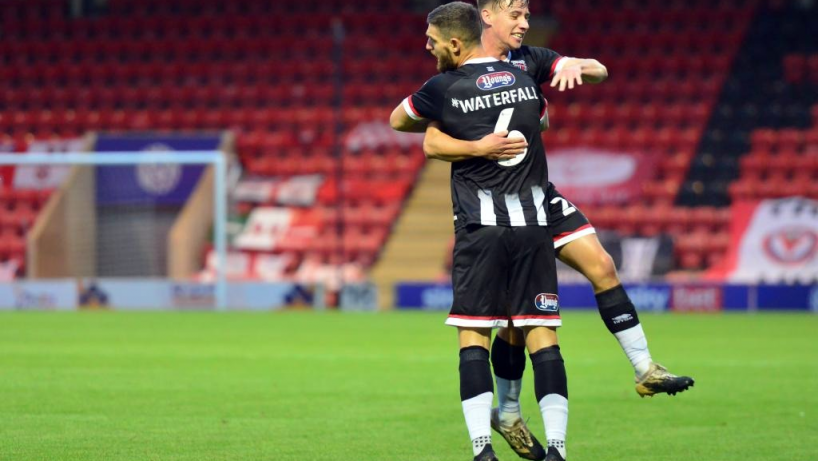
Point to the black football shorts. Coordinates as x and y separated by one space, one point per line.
501 273
565 220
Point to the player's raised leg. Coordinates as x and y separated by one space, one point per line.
508 359
476 391
587 256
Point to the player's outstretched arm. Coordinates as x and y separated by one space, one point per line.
576 71
495 146
400 120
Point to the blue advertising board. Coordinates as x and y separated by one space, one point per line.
650 297
438 296
165 184
421 295
736 297
787 297
647 297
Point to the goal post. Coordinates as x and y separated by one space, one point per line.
83 165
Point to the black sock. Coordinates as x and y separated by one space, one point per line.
549 372
616 309
507 359
475 372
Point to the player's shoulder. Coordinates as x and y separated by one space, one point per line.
444 80
477 69
503 66
514 68
527 51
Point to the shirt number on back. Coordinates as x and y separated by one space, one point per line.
502 125
567 208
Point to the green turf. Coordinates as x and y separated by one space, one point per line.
308 386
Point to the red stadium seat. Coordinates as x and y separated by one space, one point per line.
703 219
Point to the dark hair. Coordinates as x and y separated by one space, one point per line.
457 20
500 4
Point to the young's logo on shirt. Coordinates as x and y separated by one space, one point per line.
495 80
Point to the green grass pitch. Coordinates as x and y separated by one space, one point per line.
301 386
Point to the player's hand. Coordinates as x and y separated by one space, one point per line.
567 77
497 146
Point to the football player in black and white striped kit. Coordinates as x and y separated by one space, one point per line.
504 262
505 23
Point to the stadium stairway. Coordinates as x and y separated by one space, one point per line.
420 240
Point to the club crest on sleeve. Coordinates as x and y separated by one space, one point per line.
520 64
494 80
547 302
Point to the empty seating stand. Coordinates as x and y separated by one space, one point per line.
267 71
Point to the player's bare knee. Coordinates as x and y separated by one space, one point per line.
602 273
540 337
607 266
468 337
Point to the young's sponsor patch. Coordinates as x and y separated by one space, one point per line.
547 302
495 80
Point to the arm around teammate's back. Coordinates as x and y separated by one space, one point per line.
494 146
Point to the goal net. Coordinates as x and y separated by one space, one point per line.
133 217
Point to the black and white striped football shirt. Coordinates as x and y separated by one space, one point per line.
468 102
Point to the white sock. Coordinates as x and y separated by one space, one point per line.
635 345
477 411
508 398
554 408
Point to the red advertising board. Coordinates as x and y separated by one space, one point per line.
592 176
696 299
